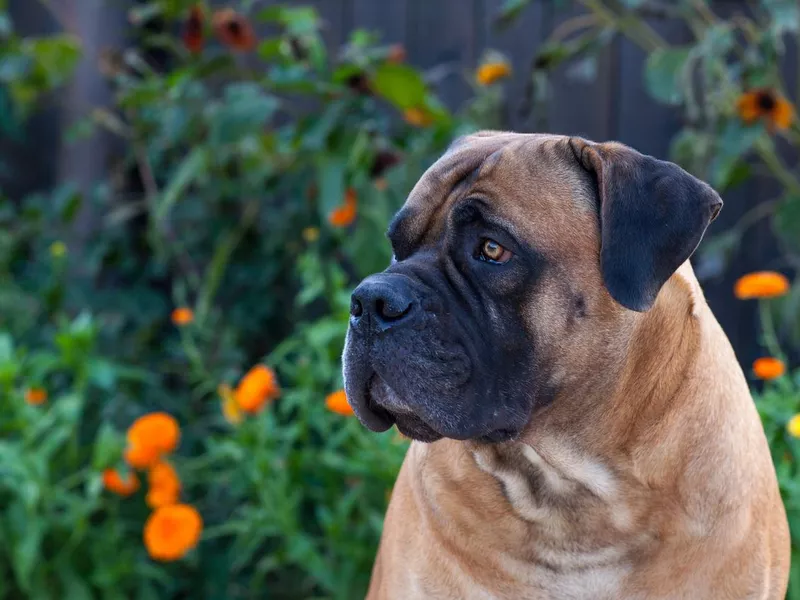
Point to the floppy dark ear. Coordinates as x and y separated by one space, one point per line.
652 217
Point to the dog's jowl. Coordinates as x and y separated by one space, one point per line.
582 428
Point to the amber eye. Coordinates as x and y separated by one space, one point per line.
491 251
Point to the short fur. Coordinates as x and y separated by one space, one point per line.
593 436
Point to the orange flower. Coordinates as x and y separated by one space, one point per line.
230 408
766 104
761 284
337 402
256 389
114 482
344 215
150 437
492 72
768 368
171 531
396 54
418 117
164 485
234 30
193 30
35 396
182 316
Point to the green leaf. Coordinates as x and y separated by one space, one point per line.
107 447
510 11
663 74
786 221
189 169
330 182
784 15
734 142
400 84
6 348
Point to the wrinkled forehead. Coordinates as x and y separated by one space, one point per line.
497 166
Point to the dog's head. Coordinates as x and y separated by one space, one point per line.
518 258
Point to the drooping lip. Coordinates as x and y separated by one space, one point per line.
372 416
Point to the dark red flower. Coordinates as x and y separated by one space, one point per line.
234 30
193 30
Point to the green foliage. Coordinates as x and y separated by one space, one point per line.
777 404
234 166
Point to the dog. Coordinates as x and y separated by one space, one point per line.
582 429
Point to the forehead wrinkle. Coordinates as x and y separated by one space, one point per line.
455 172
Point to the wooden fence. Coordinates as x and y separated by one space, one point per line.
612 105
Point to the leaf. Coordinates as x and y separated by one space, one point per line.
330 182
189 169
25 553
733 143
510 11
103 374
663 72
784 15
6 348
786 222
107 447
400 84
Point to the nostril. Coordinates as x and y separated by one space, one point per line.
355 308
391 311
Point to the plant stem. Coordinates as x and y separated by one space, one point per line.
632 26
778 169
770 336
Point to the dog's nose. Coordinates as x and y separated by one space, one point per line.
385 300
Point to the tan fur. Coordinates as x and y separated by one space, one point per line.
647 477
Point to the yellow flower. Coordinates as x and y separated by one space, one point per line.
114 482
768 368
765 104
762 284
337 402
258 387
793 426
171 531
35 396
311 234
230 408
182 316
418 117
492 72
58 249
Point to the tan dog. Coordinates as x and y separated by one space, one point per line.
590 433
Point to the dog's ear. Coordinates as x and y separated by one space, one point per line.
652 217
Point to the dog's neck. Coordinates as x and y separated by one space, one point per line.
572 479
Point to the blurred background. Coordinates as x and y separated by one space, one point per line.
190 190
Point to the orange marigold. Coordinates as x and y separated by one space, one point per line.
164 485
337 402
765 104
768 367
344 215
182 316
418 117
492 72
171 531
35 396
258 387
761 284
193 29
150 437
234 30
114 482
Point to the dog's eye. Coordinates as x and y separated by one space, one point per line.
491 251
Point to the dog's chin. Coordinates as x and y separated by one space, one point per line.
391 404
